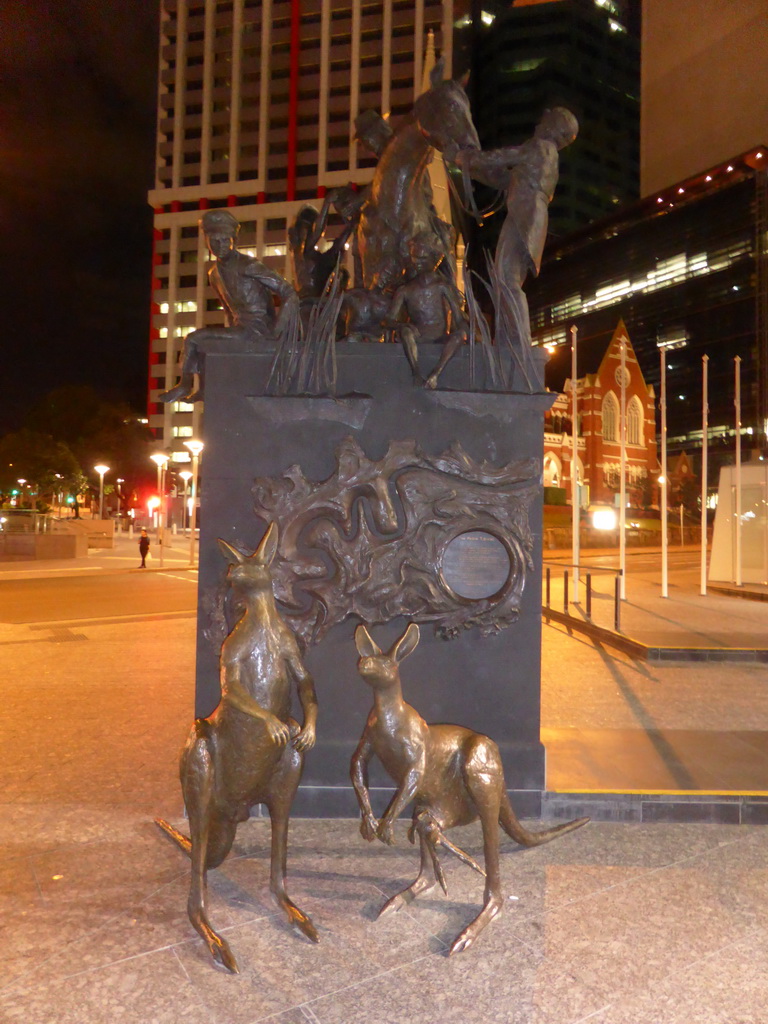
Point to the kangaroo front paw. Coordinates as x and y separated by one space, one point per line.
368 828
386 834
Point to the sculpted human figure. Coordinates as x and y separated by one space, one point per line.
432 304
399 206
528 173
247 290
313 266
366 311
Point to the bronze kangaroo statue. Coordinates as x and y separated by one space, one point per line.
454 775
249 750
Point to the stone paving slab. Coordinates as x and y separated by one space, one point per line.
641 920
677 626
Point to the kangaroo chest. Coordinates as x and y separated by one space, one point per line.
399 741
261 666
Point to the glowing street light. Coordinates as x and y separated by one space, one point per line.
120 480
604 519
152 504
195 448
101 470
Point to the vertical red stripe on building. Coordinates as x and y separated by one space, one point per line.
293 98
154 358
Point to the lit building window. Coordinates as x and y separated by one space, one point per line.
665 274
635 422
182 431
610 417
551 472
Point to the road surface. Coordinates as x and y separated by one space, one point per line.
97 596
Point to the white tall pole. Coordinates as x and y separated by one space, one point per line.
623 483
704 467
737 403
664 496
195 447
193 509
162 513
575 509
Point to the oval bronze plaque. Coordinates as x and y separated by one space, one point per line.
475 565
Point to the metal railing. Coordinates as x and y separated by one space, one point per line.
584 576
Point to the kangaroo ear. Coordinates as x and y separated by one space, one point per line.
436 74
407 643
267 550
366 645
231 554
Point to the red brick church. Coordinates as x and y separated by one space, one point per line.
599 424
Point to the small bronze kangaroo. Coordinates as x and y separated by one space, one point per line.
454 775
249 750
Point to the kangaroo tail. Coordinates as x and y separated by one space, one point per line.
509 822
178 837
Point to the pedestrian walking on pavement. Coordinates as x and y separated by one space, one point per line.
143 548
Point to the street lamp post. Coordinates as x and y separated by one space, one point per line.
186 477
101 470
195 448
60 491
119 496
160 459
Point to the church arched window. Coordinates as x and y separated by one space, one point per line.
610 417
635 422
551 471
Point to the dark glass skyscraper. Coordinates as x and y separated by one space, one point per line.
686 269
580 54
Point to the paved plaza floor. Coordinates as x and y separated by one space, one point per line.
617 923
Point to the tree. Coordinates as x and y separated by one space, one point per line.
47 465
98 431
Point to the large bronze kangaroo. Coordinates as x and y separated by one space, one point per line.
249 750
454 775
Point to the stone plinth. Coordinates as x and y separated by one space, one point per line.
491 684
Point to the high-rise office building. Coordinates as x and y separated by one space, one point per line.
580 54
686 269
255 111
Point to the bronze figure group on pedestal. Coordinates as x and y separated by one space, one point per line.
404 275
249 750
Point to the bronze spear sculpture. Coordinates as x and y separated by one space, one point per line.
454 775
249 750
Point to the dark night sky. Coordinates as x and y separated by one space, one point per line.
78 82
